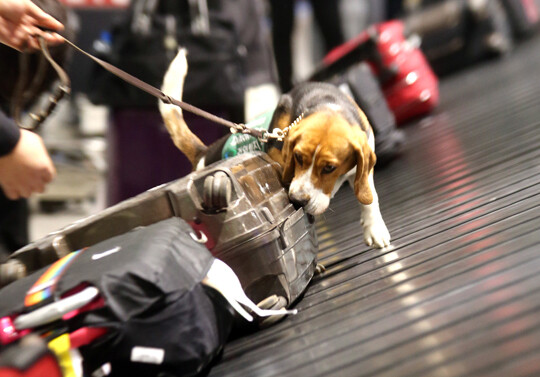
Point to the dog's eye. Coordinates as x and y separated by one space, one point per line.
328 169
298 158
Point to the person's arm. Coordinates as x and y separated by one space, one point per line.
25 165
9 135
20 22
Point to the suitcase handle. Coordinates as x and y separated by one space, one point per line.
56 310
363 48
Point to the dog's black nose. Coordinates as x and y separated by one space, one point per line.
300 202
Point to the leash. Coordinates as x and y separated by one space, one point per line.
64 87
262 135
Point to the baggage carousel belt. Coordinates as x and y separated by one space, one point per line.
459 294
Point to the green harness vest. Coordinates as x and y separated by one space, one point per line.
241 143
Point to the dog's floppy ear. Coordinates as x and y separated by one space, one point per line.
282 118
365 161
288 159
283 112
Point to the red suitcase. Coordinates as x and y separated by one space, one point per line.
414 90
408 82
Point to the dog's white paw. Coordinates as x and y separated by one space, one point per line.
376 235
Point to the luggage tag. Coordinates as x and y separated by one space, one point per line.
222 278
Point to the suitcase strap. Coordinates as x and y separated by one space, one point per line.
61 346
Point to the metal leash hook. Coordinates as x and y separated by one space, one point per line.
238 128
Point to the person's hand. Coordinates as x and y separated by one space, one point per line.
27 169
20 21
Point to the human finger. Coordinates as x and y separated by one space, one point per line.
20 38
43 19
38 187
53 38
12 36
49 36
33 33
48 175
11 193
25 193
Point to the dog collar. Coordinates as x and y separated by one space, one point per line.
294 123
239 143
279 134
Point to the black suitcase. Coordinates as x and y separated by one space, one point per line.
137 301
524 16
361 84
458 33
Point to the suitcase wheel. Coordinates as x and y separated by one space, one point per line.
11 271
274 302
319 268
217 192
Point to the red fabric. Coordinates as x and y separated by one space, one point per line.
85 335
345 48
203 228
8 333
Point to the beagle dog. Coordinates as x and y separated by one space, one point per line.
328 141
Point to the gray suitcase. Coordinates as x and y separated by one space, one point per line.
240 210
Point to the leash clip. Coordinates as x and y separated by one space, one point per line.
236 127
276 133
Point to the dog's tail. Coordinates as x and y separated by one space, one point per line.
173 85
